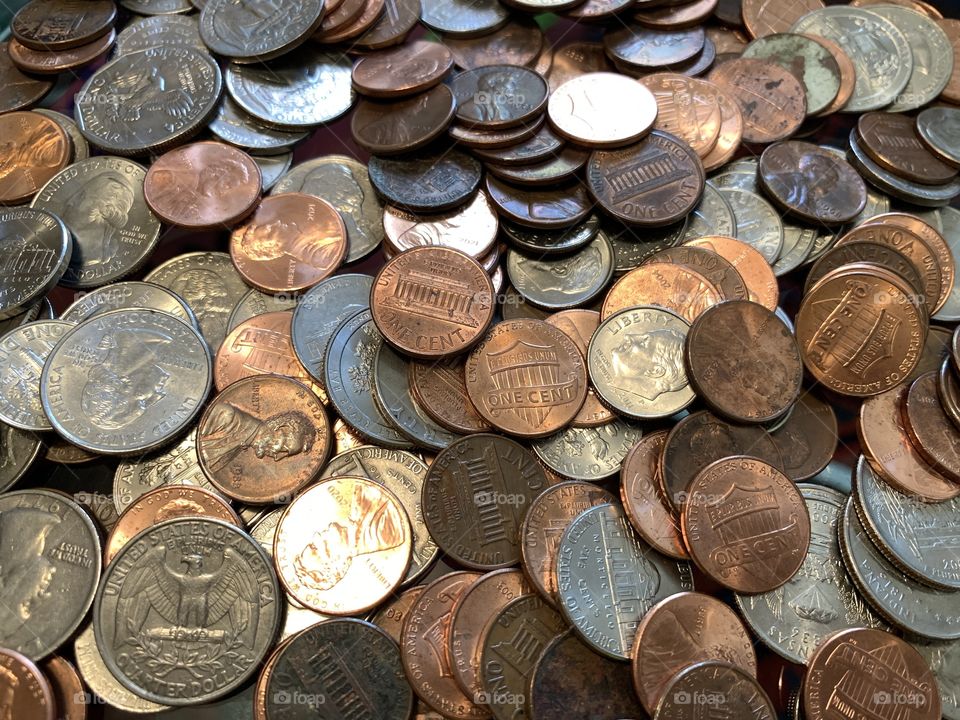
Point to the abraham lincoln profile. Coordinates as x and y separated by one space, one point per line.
283 238
650 363
229 431
374 524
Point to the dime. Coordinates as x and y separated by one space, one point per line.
36 248
635 360
562 282
511 645
602 109
159 30
747 263
892 141
744 554
263 438
361 672
475 496
498 96
588 453
236 126
39 149
526 378
210 285
782 109
547 172
178 85
939 130
653 183
125 381
712 216
440 390
901 682
917 536
255 32
714 684
758 223
19 90
426 184
643 48
238 609
431 302
682 630
23 352
69 694
604 603
930 430
404 70
62 24
806 57
273 167
101 680
580 325
462 19
910 605
808 438
762 19
26 692
480 139
158 7
470 228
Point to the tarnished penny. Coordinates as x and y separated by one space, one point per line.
745 524
263 438
402 125
749 264
643 48
808 59
343 545
206 184
499 96
35 149
26 692
762 17
405 70
932 434
684 629
519 42
891 140
44 62
432 302
440 389
864 251
687 108
600 109
548 208
432 183
711 684
808 438
580 325
771 98
470 228
61 24
18 90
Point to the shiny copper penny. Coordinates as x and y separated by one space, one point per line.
674 287
687 108
743 362
771 98
745 524
684 629
655 182
580 325
431 302
291 242
731 132
405 70
808 438
547 209
812 183
69 692
749 264
343 545
35 148
930 430
470 228
643 500
26 693
166 503
203 185
263 438
424 648
44 62
767 17
870 669
886 443
891 141
398 126
859 332
716 268
527 378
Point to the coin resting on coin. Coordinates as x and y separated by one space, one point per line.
556 359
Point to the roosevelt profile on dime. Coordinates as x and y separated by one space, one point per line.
650 363
228 431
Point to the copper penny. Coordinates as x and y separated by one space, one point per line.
886 443
731 132
743 361
424 648
403 125
475 495
166 503
343 545
643 501
44 62
263 438
676 17
405 70
34 149
758 276
812 183
261 346
684 629
203 185
930 430
473 610
602 109
859 332
519 42
766 17
547 209
951 93
493 139
25 691
431 302
527 378
771 98
687 108
392 27
291 242
863 251
440 389
575 59
674 287
655 182
891 141
470 228
580 325
499 96
701 438
808 438
69 692
548 516
746 524
17 90
716 268
61 24
869 669
848 74
390 616
641 49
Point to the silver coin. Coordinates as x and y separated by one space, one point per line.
130 294
909 605
950 217
126 381
157 7
591 454
820 599
18 450
50 568
258 30
758 222
813 63
101 201
712 216
32 313
35 250
148 100
939 128
159 30
22 355
256 302
463 18
603 600
879 51
236 126
798 243
944 661
209 283
211 625
81 148
302 89
272 168
568 281
344 183
645 48
631 249
403 473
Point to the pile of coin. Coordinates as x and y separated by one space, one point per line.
532 402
